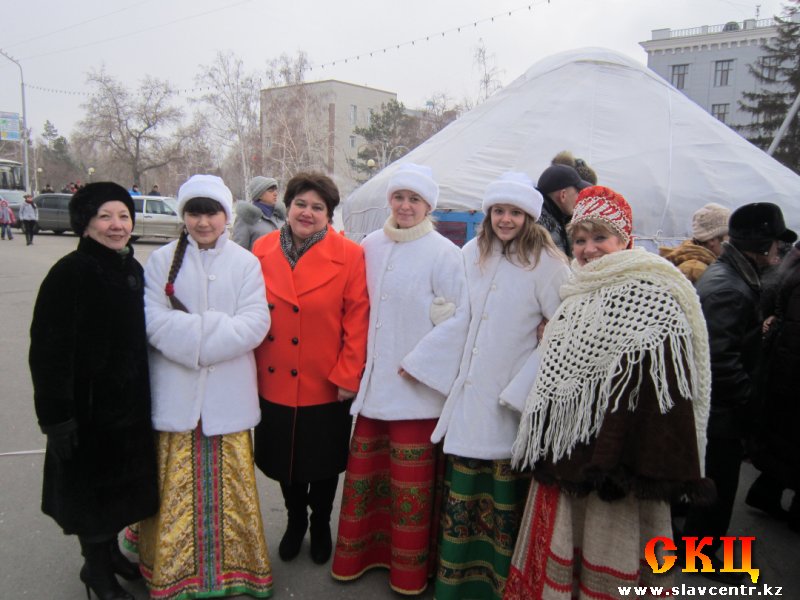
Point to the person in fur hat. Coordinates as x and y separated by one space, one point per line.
91 388
262 215
614 426
514 272
419 314
206 312
709 230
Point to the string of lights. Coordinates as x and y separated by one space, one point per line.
332 63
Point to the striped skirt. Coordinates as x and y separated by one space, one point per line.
207 540
585 548
389 504
483 506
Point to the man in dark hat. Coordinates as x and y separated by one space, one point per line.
560 186
730 291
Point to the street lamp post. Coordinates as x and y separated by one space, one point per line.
24 121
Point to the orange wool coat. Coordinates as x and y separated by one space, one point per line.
320 318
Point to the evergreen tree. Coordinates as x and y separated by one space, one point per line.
391 133
778 72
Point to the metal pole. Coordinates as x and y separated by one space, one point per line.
24 120
784 126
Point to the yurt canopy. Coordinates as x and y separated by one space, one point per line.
643 137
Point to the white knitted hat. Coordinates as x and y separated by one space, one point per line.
514 188
710 221
416 178
205 186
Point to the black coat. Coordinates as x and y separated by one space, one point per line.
777 451
729 292
88 361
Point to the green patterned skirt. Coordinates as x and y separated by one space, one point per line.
483 505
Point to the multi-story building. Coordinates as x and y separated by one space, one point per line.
711 64
311 125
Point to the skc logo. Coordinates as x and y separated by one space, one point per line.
693 554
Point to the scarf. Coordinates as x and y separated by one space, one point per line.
616 312
266 209
409 234
293 254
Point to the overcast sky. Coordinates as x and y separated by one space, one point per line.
57 43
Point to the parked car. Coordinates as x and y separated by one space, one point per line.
156 216
53 212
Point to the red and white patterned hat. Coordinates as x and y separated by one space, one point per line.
599 203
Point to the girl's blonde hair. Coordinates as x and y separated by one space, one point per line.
525 249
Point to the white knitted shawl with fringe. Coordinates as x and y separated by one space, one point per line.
616 311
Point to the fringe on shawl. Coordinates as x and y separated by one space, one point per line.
557 418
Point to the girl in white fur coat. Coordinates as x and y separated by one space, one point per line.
418 323
206 310
514 272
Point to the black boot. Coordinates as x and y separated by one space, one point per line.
97 573
320 499
121 565
765 495
295 497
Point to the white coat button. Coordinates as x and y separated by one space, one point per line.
468 382
211 368
475 350
494 287
384 297
390 267
485 316
212 277
378 325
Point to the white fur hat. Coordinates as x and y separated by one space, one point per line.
514 188
205 186
710 221
417 178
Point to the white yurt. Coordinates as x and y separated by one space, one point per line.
645 139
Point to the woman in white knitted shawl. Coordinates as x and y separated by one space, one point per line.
419 314
614 427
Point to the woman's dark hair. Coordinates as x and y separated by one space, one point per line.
202 206
195 206
317 182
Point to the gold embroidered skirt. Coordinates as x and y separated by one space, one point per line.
207 540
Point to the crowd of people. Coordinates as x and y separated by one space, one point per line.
530 409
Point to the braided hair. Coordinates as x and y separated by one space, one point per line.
203 206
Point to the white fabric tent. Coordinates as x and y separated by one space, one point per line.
644 139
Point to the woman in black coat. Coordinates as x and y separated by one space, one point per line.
88 361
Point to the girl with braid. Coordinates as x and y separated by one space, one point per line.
206 310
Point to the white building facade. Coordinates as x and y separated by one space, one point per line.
313 124
711 64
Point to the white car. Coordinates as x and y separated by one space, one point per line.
156 216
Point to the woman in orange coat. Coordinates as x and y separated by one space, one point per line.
310 364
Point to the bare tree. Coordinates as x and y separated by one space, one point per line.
138 130
488 72
233 100
294 119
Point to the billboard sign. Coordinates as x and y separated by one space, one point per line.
9 126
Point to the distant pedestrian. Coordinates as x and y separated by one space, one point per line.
134 191
263 215
154 191
48 189
7 219
29 217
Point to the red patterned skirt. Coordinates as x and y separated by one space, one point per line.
390 504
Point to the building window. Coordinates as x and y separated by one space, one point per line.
679 76
769 67
720 111
353 114
722 72
352 141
